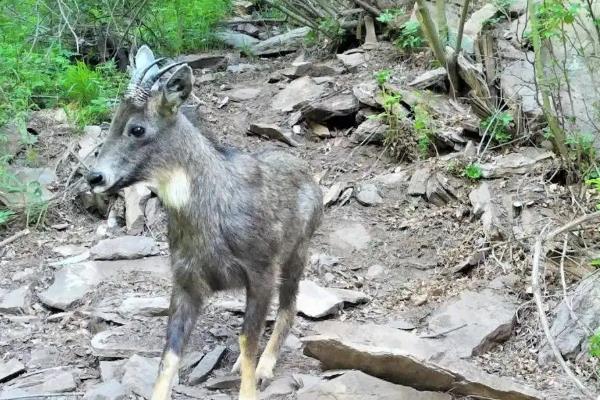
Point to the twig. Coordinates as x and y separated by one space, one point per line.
14 237
68 24
443 333
537 295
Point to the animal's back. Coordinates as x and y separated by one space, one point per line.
290 178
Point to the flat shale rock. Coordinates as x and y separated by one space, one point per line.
51 380
567 331
140 374
15 301
352 59
109 390
126 341
355 385
271 131
285 43
315 301
10 368
366 93
124 248
202 61
515 163
73 282
368 195
209 362
370 131
144 306
298 91
403 358
493 325
336 106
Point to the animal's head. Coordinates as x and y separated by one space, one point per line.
143 125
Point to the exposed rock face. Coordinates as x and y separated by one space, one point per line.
284 43
568 333
354 385
404 358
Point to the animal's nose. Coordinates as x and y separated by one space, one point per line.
95 178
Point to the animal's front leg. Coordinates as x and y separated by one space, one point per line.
182 318
257 306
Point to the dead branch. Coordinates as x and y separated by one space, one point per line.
537 294
368 7
14 237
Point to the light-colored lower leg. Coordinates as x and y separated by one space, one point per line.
248 370
168 370
268 359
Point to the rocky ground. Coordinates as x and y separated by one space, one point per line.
418 285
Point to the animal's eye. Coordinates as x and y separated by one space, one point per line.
137 131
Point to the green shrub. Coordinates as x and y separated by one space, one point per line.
411 36
497 126
473 172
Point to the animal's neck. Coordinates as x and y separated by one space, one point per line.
192 167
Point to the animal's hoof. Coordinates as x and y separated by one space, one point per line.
264 370
236 367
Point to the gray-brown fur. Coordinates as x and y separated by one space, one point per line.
246 223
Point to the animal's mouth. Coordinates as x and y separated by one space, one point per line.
110 188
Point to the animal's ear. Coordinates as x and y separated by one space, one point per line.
177 89
143 58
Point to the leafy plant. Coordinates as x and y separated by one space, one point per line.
411 36
497 126
595 345
423 126
552 15
383 76
389 15
473 171
503 5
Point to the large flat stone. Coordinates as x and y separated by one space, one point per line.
52 380
73 282
403 358
568 332
340 105
124 342
296 92
284 43
473 336
355 385
144 306
140 374
10 368
14 301
124 248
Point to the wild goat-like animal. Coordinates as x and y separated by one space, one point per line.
236 220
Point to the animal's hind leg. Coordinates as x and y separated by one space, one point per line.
288 290
258 298
182 318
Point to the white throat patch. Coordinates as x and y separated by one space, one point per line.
174 188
